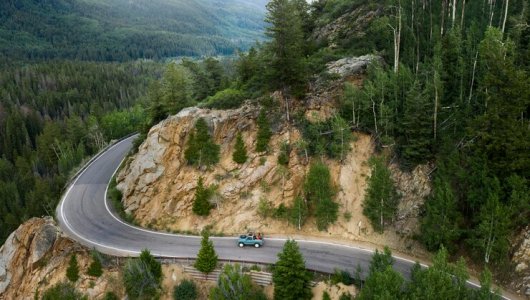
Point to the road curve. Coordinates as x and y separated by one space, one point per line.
84 215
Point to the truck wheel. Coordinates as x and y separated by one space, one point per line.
256 245
241 245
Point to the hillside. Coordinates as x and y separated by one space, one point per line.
399 124
122 30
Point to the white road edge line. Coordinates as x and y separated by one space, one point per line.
63 216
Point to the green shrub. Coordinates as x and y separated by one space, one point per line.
234 284
226 99
95 268
186 290
265 208
341 276
110 296
281 212
325 296
285 151
142 277
72 272
63 291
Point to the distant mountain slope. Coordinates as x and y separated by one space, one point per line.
119 30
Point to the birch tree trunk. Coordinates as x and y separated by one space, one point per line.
463 14
472 79
505 15
397 39
435 117
492 10
453 14
375 115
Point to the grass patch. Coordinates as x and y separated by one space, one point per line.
115 196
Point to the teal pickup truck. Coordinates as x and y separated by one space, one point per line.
250 240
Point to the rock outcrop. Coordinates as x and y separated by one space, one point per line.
158 186
521 260
413 187
350 66
352 24
320 103
35 257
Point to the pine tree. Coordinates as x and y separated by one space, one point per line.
290 277
72 272
381 200
416 131
240 152
95 268
175 89
200 149
264 132
156 108
201 205
440 224
441 281
387 284
286 46
152 264
206 258
382 281
319 193
381 261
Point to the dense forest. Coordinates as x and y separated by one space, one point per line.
122 30
453 92
54 115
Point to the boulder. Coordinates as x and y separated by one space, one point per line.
42 242
352 65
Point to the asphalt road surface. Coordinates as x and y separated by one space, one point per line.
85 216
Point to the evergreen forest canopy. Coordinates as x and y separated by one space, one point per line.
121 30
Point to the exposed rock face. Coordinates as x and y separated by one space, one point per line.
321 99
414 187
24 248
352 65
521 259
352 24
159 187
36 256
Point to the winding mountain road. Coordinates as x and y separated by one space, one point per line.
85 216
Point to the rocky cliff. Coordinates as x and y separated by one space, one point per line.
35 257
158 186
521 260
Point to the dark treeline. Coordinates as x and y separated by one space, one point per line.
123 30
52 116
